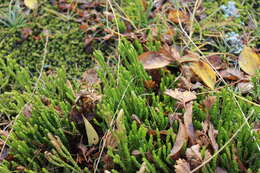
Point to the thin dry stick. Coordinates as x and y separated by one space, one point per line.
222 148
193 16
33 92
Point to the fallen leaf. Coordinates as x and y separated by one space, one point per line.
90 76
221 170
207 155
136 119
232 74
183 97
193 156
120 122
150 84
182 166
181 139
189 57
188 122
171 52
27 110
143 168
205 73
245 87
216 62
20 168
209 102
177 16
249 61
111 140
212 135
32 4
91 133
136 152
154 60
83 27
201 138
3 153
26 32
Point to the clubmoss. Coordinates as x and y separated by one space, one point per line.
127 92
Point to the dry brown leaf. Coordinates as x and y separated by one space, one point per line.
188 122
111 140
221 170
154 60
183 97
209 101
249 61
205 73
232 74
177 16
193 156
212 135
27 110
189 57
90 77
201 138
182 166
245 87
216 62
181 139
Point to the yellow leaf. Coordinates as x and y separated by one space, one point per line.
177 16
249 61
120 122
205 73
91 133
32 4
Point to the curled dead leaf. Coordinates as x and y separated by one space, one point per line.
188 122
182 166
154 60
193 156
181 139
216 62
183 97
177 16
249 61
111 140
209 102
27 110
245 87
232 74
205 73
90 76
189 57
212 136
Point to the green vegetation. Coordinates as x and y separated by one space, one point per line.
43 53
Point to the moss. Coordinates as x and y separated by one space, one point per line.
65 47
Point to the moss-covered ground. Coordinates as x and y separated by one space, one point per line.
71 61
